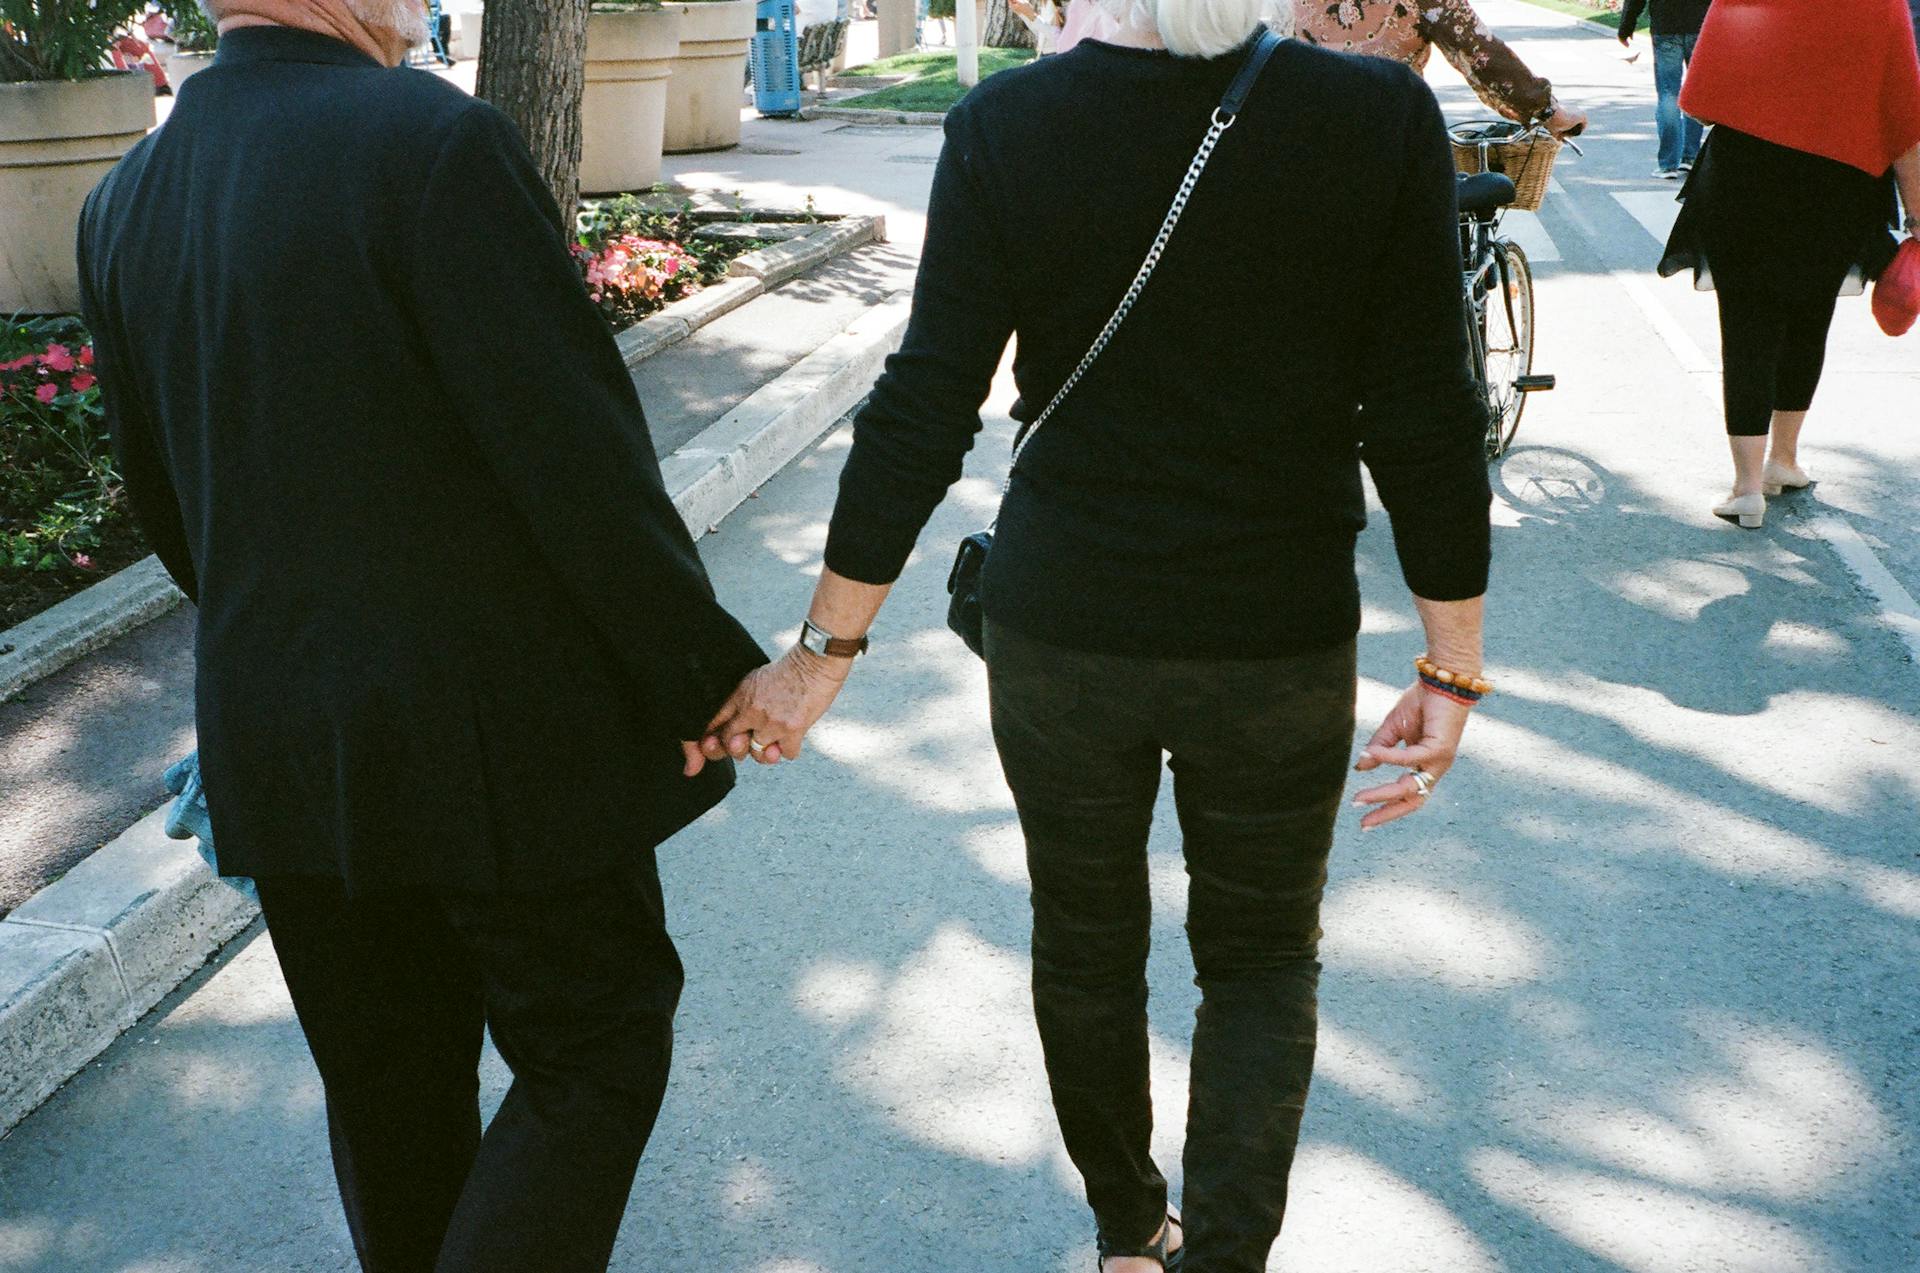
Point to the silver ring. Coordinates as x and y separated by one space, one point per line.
1423 783
755 745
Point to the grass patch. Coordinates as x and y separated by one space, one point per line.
1606 16
934 84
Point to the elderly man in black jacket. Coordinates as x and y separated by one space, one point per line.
451 628
1676 26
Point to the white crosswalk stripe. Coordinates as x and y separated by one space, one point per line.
1655 210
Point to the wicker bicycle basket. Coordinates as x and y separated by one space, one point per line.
1497 145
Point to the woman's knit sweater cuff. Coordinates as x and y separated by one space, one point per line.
1445 560
868 549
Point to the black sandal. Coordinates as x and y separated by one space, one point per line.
1155 1250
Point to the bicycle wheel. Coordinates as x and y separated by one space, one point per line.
1507 334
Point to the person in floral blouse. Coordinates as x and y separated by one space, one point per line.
1409 30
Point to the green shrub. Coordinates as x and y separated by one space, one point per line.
638 256
60 495
60 39
193 31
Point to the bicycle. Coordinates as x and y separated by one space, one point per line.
1496 278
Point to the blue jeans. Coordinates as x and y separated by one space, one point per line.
1679 134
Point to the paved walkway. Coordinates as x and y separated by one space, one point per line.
1634 995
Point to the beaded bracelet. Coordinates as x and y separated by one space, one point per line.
1466 698
1461 688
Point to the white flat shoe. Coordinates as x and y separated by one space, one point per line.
1750 511
1783 477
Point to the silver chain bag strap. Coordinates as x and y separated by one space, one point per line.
964 615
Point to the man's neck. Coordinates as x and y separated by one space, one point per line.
331 18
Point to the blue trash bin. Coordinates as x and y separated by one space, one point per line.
774 59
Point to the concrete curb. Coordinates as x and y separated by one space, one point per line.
862 115
733 457
83 623
91 953
779 262
36 649
749 275
85 958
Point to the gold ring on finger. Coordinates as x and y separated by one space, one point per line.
1423 783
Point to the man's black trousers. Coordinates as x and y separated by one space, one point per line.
578 986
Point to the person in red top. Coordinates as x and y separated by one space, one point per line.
1816 115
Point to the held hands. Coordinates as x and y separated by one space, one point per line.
1421 733
768 717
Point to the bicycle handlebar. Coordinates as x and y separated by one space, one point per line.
1473 133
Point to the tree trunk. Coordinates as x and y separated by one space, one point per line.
533 66
1003 28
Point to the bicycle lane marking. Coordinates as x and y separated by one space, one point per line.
1897 610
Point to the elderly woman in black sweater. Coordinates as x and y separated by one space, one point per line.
1173 573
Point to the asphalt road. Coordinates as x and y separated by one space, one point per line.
1634 995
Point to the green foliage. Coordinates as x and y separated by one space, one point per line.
59 490
639 255
925 61
935 85
1604 12
59 39
193 31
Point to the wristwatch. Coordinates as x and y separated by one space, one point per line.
822 642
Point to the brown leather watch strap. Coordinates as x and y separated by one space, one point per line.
839 648
820 641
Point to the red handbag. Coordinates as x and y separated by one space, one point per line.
1896 297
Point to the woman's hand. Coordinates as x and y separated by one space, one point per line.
1421 733
769 715
1566 122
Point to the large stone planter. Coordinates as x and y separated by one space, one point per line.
706 92
181 65
56 141
623 115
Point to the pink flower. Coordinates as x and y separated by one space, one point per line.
83 561
47 393
86 355
83 381
25 360
57 358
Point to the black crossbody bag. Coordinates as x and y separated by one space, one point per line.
964 615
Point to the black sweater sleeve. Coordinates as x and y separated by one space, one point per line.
912 437
1422 421
534 372
1630 17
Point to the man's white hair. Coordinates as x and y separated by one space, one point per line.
406 18
1201 28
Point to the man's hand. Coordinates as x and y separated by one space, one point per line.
1421 733
768 717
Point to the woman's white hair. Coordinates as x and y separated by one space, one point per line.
1200 28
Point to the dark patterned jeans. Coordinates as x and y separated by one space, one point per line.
1259 751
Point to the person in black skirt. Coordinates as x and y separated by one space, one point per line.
1816 114
1173 568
